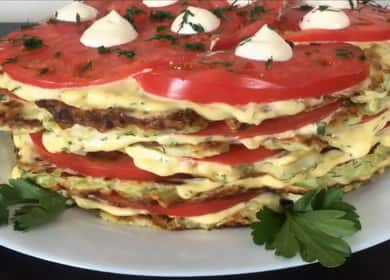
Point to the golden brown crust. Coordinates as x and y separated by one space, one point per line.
152 196
171 223
12 116
103 120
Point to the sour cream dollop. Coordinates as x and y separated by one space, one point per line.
195 20
240 3
76 11
158 3
337 4
324 17
265 45
111 30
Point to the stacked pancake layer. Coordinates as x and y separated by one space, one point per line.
145 159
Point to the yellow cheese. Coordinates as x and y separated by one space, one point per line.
119 212
385 137
358 139
269 199
328 161
195 187
158 163
26 151
185 189
163 165
127 94
353 141
266 199
80 139
215 218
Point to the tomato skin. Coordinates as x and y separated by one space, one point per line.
368 24
230 40
247 28
248 81
122 169
175 72
273 126
239 154
64 71
182 209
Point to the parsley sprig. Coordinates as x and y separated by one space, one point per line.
31 205
197 47
163 37
256 12
197 27
127 53
131 12
10 60
32 43
160 15
344 53
313 227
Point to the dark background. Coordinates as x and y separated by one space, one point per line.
372 264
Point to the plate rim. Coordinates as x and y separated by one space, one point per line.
93 268
89 265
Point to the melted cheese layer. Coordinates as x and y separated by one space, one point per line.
354 141
349 141
315 173
266 199
81 139
127 94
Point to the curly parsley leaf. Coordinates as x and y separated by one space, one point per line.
197 47
270 225
160 15
32 43
31 205
313 227
164 37
131 12
4 214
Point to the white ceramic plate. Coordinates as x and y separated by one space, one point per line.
80 239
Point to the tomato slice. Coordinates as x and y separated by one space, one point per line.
121 168
314 71
239 154
273 126
175 72
182 209
368 23
64 58
230 40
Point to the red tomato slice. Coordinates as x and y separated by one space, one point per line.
122 168
231 38
314 71
368 24
238 155
66 70
228 41
175 72
182 209
273 126
68 63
